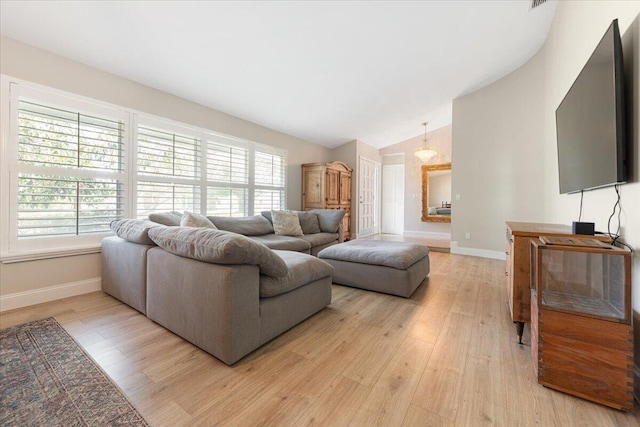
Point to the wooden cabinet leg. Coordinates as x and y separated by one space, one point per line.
519 331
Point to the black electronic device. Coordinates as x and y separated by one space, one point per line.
590 121
587 228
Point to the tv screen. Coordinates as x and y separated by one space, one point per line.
590 121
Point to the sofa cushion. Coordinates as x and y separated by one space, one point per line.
285 243
286 223
247 226
166 218
308 221
133 230
218 247
303 269
319 239
329 219
190 219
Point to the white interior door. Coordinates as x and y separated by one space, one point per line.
367 198
393 199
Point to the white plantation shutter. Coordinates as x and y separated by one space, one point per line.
168 170
266 200
167 154
223 201
243 178
269 169
227 164
227 179
269 181
70 166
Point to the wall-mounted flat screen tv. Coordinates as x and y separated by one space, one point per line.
590 125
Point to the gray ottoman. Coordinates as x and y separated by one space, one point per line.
391 267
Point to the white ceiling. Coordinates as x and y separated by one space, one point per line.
326 71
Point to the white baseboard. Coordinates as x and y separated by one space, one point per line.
482 253
52 293
426 234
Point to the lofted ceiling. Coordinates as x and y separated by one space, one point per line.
328 72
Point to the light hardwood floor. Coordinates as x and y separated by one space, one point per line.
445 357
435 244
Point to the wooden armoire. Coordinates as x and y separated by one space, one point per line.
328 186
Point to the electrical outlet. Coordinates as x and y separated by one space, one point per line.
467 235
457 197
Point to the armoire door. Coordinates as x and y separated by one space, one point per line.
332 188
313 188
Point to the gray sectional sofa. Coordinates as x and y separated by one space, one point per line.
226 292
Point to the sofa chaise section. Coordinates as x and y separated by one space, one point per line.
221 291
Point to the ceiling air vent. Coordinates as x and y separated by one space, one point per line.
536 3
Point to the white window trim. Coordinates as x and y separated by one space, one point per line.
12 89
168 126
11 248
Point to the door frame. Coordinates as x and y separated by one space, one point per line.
400 167
376 196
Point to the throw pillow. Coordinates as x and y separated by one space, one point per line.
329 219
309 222
286 223
190 219
166 218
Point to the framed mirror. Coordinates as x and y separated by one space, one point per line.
436 193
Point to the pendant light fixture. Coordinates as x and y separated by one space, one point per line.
425 153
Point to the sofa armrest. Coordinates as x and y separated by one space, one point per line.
213 306
124 271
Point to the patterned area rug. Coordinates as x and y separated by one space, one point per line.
46 379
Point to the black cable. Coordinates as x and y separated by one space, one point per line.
620 242
615 206
581 198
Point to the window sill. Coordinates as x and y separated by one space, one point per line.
48 254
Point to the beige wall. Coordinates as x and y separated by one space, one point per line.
38 66
35 65
30 276
577 29
497 158
504 140
441 140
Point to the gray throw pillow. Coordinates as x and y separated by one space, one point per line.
166 218
133 230
218 247
309 222
329 219
267 214
286 223
248 226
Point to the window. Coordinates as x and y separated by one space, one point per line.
67 173
168 169
243 178
72 165
227 179
269 181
